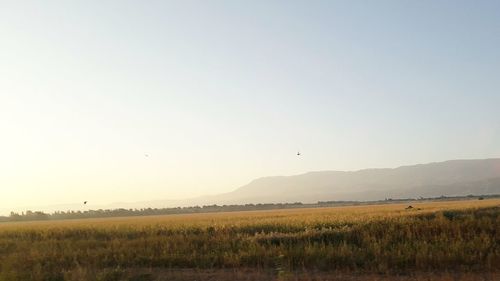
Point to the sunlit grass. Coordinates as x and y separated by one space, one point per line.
460 235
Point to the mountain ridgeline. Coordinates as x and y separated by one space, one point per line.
450 178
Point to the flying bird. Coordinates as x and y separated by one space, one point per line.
298 153
84 202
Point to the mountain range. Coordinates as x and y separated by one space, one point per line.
449 178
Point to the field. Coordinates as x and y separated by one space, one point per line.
457 240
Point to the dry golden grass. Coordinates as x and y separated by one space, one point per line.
347 213
296 244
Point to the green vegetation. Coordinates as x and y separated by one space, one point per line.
368 239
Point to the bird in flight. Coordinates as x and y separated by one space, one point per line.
298 153
84 202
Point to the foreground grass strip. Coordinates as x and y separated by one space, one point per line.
433 237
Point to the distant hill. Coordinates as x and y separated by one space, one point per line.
450 178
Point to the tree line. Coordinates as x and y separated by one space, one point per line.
122 212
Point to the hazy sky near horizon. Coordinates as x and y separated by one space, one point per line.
218 93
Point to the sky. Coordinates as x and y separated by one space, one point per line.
124 101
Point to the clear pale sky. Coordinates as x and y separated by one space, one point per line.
218 93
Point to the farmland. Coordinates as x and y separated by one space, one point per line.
438 239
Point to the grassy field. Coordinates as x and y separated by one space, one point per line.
442 240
